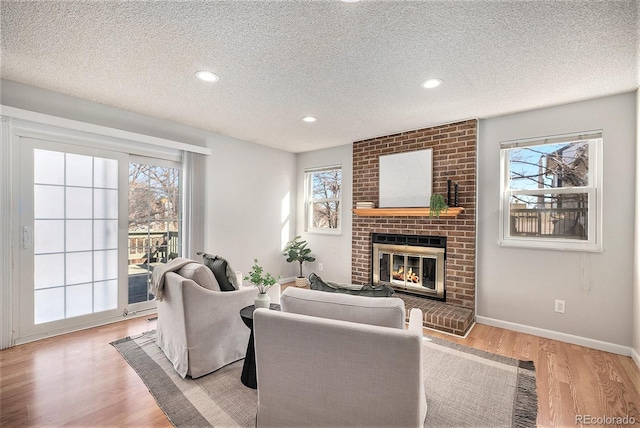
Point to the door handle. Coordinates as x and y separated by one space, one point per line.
27 237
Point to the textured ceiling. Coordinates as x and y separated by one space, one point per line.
357 67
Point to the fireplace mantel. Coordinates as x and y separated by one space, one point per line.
451 212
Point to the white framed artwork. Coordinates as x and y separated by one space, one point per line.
406 179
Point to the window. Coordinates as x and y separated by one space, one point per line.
551 193
323 194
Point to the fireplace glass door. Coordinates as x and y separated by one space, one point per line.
385 267
406 270
429 272
414 269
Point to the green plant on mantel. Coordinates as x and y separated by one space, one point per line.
437 205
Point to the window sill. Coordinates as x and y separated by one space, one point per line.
452 212
325 231
555 245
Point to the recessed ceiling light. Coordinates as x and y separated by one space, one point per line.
309 119
431 83
207 76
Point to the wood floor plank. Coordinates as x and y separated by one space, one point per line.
80 380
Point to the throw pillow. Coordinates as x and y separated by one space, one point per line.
381 290
201 275
225 276
316 283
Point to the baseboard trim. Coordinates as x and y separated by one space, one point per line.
635 357
135 314
287 280
556 335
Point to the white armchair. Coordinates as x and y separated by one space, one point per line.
200 329
339 360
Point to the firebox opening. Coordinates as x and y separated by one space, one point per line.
410 263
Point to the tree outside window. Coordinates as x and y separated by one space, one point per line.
154 223
324 196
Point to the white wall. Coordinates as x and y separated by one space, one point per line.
333 251
636 270
250 204
519 286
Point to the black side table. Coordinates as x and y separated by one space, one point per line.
248 377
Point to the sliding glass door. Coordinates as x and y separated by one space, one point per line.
72 235
94 224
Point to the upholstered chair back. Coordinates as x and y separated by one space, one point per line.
380 311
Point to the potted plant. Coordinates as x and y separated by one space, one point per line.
262 281
297 251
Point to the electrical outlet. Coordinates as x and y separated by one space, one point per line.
320 267
559 307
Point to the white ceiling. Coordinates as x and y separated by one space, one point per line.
357 67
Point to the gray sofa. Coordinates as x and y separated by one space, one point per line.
330 359
199 327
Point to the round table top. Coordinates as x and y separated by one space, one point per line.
247 313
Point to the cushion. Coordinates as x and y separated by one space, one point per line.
201 275
225 276
381 290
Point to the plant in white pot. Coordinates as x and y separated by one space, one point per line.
297 251
263 282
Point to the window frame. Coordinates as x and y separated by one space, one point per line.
593 190
309 201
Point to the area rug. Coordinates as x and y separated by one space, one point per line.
465 387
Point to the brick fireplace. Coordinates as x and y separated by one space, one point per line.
454 158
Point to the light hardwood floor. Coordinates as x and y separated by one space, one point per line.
571 380
79 380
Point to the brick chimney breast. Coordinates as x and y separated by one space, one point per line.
454 158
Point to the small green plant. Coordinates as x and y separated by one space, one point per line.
262 280
297 251
437 205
